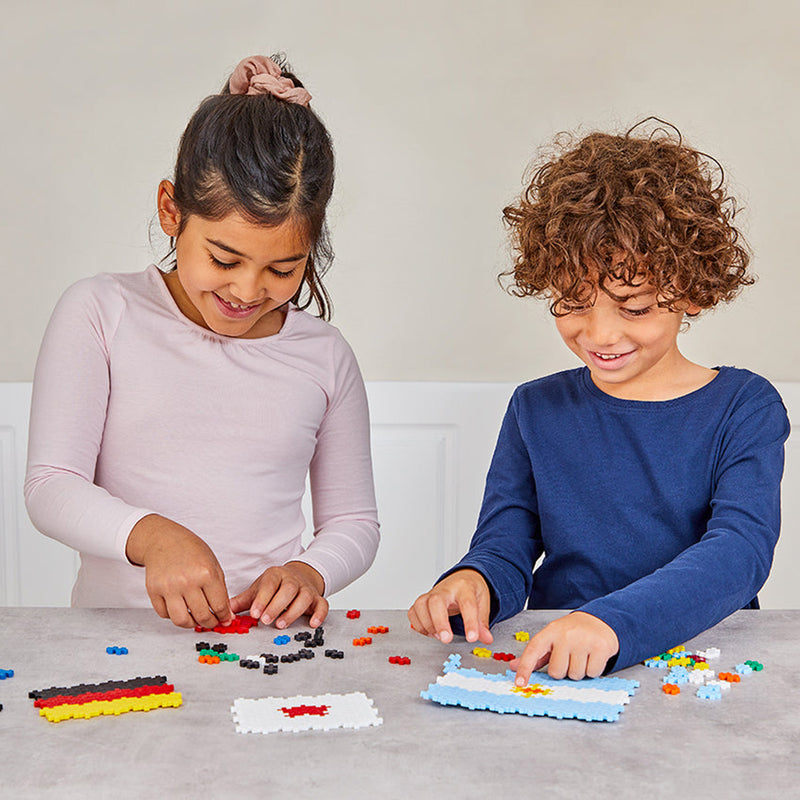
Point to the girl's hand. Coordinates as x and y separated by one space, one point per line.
577 646
183 577
464 591
283 594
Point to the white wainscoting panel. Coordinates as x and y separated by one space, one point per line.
432 443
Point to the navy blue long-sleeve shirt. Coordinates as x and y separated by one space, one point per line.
660 518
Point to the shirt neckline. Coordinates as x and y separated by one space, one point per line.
618 402
155 275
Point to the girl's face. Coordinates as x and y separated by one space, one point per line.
630 346
234 277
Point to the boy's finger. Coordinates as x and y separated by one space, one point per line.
558 665
416 621
596 664
178 612
484 609
440 618
471 615
534 656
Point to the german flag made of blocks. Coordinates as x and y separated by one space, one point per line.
86 700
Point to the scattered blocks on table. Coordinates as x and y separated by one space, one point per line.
731 677
743 669
482 652
522 636
671 688
334 654
592 699
6 673
399 660
301 713
377 629
117 651
755 666
362 641
353 614
283 639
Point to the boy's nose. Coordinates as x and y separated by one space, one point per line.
603 329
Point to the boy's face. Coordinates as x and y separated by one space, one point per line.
631 345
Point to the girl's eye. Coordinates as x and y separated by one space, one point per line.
637 312
279 274
221 264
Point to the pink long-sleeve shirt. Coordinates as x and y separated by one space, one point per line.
137 410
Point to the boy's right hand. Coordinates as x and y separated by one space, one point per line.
462 592
183 577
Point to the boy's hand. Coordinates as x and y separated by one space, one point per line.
183 578
575 646
464 591
283 594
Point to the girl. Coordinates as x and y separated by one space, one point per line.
176 415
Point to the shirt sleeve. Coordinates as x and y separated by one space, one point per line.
507 541
68 411
725 569
346 531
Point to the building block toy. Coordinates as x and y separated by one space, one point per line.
709 692
754 665
84 701
482 652
353 614
744 669
6 673
399 660
671 688
362 641
592 699
284 639
240 624
503 656
270 669
731 677
334 654
302 713
522 636
378 629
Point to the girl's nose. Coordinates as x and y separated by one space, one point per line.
248 288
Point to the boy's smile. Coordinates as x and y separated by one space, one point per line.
630 345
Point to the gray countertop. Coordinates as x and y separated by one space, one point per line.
745 745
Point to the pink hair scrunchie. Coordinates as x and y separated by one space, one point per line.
261 75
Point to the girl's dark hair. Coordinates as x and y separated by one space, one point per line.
641 207
267 159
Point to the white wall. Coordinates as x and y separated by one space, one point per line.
435 108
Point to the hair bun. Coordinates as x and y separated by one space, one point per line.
261 75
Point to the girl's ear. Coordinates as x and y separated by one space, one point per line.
168 214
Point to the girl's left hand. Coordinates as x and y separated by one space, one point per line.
283 594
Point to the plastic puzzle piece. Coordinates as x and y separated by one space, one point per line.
105 686
531 690
503 656
6 673
592 699
115 650
671 688
362 641
353 614
731 677
482 652
522 636
301 713
709 692
284 639
399 660
744 669
334 654
114 694
755 665
378 629
240 624
112 707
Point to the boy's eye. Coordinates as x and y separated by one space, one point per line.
637 312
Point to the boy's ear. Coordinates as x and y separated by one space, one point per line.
168 214
692 310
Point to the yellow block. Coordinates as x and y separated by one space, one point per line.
522 636
482 652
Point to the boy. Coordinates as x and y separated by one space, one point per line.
649 483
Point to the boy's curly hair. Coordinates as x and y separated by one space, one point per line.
632 208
